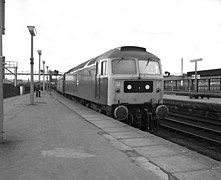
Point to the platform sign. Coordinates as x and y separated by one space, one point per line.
193 76
2 16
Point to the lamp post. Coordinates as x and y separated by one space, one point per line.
43 76
39 68
2 32
32 31
196 60
47 79
50 82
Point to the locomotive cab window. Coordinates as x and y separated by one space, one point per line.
104 68
149 67
124 66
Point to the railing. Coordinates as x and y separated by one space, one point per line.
35 73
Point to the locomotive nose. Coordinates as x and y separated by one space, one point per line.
120 112
162 111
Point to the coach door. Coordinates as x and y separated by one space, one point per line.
75 83
97 81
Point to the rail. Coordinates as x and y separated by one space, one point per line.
208 129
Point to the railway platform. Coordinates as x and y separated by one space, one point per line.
206 107
215 101
59 139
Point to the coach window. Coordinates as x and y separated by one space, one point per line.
104 68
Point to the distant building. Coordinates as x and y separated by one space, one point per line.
206 73
7 81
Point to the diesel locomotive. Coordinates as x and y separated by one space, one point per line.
125 83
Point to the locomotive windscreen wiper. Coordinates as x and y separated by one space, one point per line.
119 60
148 60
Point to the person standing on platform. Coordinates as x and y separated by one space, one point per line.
38 92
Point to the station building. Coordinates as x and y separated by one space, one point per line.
208 81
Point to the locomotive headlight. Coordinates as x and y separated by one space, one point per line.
129 87
147 87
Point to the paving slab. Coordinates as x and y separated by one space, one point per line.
140 142
97 118
107 124
84 111
119 145
86 115
213 174
116 129
211 163
156 151
178 163
124 135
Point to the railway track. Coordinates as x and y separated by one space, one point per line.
195 125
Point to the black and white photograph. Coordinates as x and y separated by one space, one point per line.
110 90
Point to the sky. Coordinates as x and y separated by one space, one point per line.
70 32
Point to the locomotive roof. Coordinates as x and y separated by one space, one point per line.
128 52
121 52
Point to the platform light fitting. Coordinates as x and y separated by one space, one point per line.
39 52
32 30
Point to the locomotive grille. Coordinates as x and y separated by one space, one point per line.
138 86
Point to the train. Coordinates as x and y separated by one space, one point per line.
125 83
